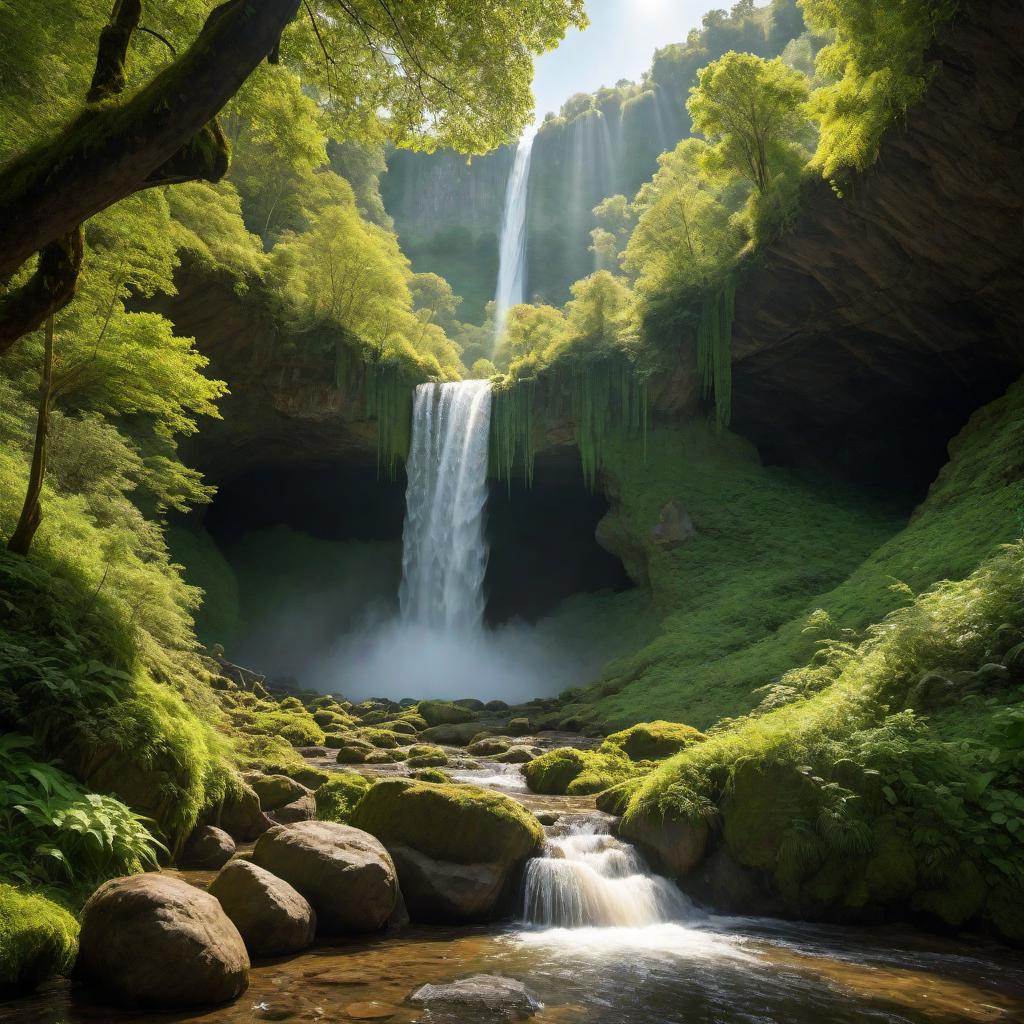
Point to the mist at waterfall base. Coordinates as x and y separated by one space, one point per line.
437 646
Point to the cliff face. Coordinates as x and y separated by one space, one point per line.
284 405
871 331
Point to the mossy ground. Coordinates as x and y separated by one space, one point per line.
38 938
337 798
771 548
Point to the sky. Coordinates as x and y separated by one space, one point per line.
622 37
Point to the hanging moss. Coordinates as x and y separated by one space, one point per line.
388 389
599 395
714 348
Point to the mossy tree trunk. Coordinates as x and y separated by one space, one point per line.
32 509
165 134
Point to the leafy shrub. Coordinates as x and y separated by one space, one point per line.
52 830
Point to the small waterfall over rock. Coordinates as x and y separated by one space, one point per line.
512 246
444 552
588 878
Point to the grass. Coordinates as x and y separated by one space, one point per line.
770 550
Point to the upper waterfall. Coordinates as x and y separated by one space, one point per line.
512 246
444 550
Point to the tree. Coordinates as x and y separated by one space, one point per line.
875 62
530 333
443 74
752 111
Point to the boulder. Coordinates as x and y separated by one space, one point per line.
489 745
519 726
496 705
470 704
346 875
458 849
458 734
270 915
652 741
443 892
439 712
38 939
153 940
207 847
674 844
275 791
303 809
482 993
310 777
241 815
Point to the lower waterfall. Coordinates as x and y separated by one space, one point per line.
589 878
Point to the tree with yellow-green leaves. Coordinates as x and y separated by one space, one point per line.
415 72
751 110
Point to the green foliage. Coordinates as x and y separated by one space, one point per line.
336 799
38 939
751 109
54 831
714 349
874 68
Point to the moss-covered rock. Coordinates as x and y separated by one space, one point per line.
400 726
439 712
762 802
38 939
382 738
456 735
652 741
517 755
435 775
461 824
426 755
275 791
674 843
336 799
959 901
489 745
576 772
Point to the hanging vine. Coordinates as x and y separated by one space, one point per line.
714 348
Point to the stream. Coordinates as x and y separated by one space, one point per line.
599 939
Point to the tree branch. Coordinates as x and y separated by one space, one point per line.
112 151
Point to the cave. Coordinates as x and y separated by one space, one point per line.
315 548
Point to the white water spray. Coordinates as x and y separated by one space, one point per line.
591 879
444 551
512 246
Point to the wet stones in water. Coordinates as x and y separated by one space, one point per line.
488 746
345 874
489 994
443 892
153 940
548 817
270 915
371 1010
208 848
518 755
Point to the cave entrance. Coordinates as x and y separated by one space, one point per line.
298 556
542 542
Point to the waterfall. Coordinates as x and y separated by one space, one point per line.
512 243
444 551
587 878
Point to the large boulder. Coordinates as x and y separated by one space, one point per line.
439 712
270 915
275 791
303 809
347 875
241 815
153 940
440 891
208 847
674 844
437 832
